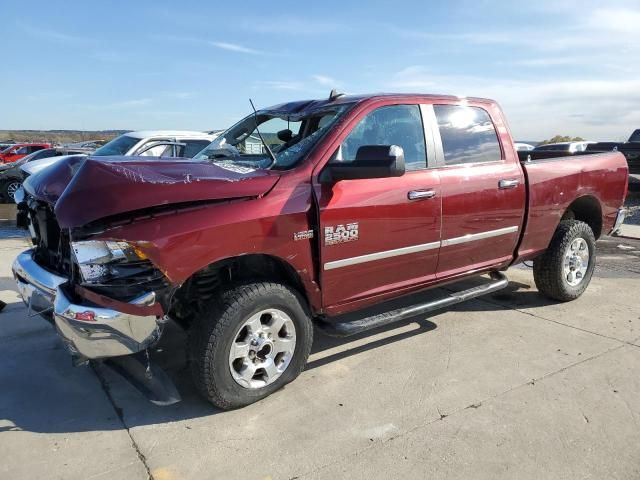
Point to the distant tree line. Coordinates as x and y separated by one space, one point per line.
562 139
55 136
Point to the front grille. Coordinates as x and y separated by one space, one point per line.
52 248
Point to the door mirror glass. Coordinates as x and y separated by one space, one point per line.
371 161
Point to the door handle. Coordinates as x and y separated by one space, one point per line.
420 194
506 184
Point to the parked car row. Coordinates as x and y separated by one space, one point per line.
161 143
11 174
15 152
294 216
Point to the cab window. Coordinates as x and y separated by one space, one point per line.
468 135
399 125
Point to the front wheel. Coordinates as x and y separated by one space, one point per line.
253 340
9 189
564 271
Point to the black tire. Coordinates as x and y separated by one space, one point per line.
213 332
548 268
7 196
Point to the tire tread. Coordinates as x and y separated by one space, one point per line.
547 267
209 330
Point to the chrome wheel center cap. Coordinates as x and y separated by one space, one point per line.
576 262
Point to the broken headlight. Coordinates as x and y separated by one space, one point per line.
100 261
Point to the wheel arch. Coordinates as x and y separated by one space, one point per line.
201 286
587 209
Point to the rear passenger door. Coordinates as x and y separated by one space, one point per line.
483 191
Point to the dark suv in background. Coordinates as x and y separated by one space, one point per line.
11 175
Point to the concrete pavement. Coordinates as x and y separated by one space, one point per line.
508 386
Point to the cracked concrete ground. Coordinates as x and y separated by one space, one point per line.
507 386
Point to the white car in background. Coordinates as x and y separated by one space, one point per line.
571 147
145 143
523 147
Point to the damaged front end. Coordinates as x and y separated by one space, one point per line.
106 299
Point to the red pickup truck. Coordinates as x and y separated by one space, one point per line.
328 207
20 150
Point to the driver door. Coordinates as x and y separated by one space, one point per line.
380 235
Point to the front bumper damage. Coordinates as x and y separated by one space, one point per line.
90 331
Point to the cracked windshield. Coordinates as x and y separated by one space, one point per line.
289 137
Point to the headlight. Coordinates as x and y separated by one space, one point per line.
99 260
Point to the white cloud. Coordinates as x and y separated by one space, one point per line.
279 85
180 95
325 80
586 29
577 76
233 47
137 102
291 25
51 35
615 20
600 109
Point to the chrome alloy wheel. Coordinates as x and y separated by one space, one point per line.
576 262
12 188
262 349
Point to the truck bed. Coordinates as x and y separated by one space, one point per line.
556 181
631 151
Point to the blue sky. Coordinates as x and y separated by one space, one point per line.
562 66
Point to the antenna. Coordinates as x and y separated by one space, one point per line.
334 95
271 155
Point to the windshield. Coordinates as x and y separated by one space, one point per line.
118 146
635 136
289 136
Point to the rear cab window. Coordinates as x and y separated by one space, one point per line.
468 135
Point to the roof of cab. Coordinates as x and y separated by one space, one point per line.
301 106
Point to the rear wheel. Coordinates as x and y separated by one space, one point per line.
564 271
254 339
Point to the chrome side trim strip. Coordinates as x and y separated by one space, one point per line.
380 255
471 237
418 248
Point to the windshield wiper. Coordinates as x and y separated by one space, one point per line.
271 155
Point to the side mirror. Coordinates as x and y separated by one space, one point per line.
372 161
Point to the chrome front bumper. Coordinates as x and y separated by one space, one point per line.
109 333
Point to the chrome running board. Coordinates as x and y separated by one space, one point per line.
345 329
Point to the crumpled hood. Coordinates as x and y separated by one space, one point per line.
84 189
